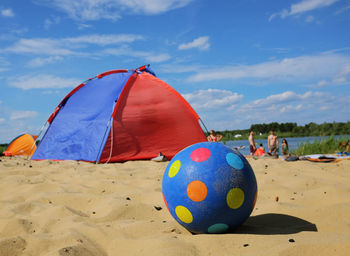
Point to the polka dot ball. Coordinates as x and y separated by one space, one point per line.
209 188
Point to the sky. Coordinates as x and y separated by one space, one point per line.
237 62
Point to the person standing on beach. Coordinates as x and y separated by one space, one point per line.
251 143
213 137
272 142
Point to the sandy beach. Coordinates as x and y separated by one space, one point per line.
78 208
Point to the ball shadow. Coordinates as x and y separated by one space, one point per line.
274 224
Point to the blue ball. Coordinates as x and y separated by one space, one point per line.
209 188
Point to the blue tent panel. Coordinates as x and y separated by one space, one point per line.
80 127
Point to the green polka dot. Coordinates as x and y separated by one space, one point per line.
235 198
218 228
174 168
183 214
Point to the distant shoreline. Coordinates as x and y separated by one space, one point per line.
288 130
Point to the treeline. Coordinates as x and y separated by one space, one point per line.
266 128
3 147
288 130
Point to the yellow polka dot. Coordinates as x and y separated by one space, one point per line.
235 198
183 214
174 168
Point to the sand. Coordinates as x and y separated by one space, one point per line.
79 208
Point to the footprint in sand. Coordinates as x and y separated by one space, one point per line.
27 225
76 212
79 250
13 246
76 250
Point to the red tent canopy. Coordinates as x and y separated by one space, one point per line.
120 115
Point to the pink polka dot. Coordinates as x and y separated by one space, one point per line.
200 154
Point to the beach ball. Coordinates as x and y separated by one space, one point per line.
209 188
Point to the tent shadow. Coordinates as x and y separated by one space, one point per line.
274 224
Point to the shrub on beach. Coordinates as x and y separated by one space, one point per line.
2 148
328 145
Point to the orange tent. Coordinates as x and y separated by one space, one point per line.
23 145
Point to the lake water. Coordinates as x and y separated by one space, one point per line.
293 143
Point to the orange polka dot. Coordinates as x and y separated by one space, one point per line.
197 191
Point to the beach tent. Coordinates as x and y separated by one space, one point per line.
117 116
23 145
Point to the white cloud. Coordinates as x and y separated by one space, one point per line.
39 62
23 114
309 5
279 102
15 122
213 99
7 12
3 64
84 10
344 9
157 57
127 51
290 70
40 46
81 46
201 43
288 106
68 46
343 76
92 46
51 21
322 83
309 18
302 7
177 69
104 39
82 26
153 6
42 82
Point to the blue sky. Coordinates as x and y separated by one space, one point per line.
237 62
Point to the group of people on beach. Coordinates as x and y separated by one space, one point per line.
272 143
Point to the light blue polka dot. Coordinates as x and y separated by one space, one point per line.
235 161
218 228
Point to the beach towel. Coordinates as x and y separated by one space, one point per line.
324 158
